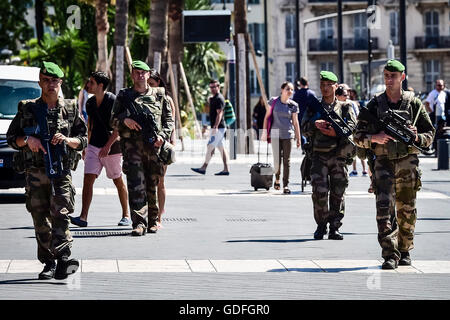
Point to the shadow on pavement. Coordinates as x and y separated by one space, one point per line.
12 198
18 228
30 281
271 241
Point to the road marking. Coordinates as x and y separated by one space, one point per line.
233 266
177 192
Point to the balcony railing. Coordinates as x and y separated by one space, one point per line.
432 42
347 44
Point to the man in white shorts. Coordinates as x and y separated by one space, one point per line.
103 149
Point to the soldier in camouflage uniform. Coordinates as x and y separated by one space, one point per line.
396 175
50 201
330 156
140 160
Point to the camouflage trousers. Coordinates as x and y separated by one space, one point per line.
396 183
329 179
50 211
143 171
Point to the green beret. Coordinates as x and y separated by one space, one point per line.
328 76
51 69
394 66
137 64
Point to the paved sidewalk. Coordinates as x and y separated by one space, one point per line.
222 240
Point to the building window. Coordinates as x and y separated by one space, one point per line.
221 1
290 71
326 31
432 72
360 30
393 17
255 90
253 1
290 30
431 29
256 31
327 66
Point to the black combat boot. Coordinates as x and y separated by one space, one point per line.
49 271
320 231
389 264
405 259
335 235
66 267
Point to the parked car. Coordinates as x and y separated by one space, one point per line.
16 83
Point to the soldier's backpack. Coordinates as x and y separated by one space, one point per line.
229 115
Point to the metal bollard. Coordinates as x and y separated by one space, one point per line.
443 154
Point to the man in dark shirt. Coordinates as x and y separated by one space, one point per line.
218 128
103 149
302 97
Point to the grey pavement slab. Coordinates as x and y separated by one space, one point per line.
237 224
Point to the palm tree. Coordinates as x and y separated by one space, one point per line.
120 40
157 51
101 20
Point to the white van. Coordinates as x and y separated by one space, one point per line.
16 83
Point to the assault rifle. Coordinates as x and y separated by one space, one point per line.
147 121
54 157
393 125
339 125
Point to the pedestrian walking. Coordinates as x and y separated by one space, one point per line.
280 128
156 81
49 132
302 96
143 117
330 157
218 128
396 173
103 150
435 102
259 113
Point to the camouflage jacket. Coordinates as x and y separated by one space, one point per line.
321 142
154 100
69 123
414 110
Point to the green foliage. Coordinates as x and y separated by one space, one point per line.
139 40
68 51
13 26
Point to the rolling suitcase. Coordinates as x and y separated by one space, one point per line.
261 173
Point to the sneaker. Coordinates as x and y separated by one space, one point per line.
353 173
48 272
222 173
364 174
124 222
65 267
198 170
78 222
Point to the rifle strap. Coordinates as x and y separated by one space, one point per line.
383 105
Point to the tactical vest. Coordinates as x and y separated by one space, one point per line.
60 120
324 143
395 149
154 100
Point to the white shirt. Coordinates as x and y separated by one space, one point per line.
437 98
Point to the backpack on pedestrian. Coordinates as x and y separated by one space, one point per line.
229 115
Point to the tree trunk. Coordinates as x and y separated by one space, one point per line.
39 10
120 38
101 20
157 52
